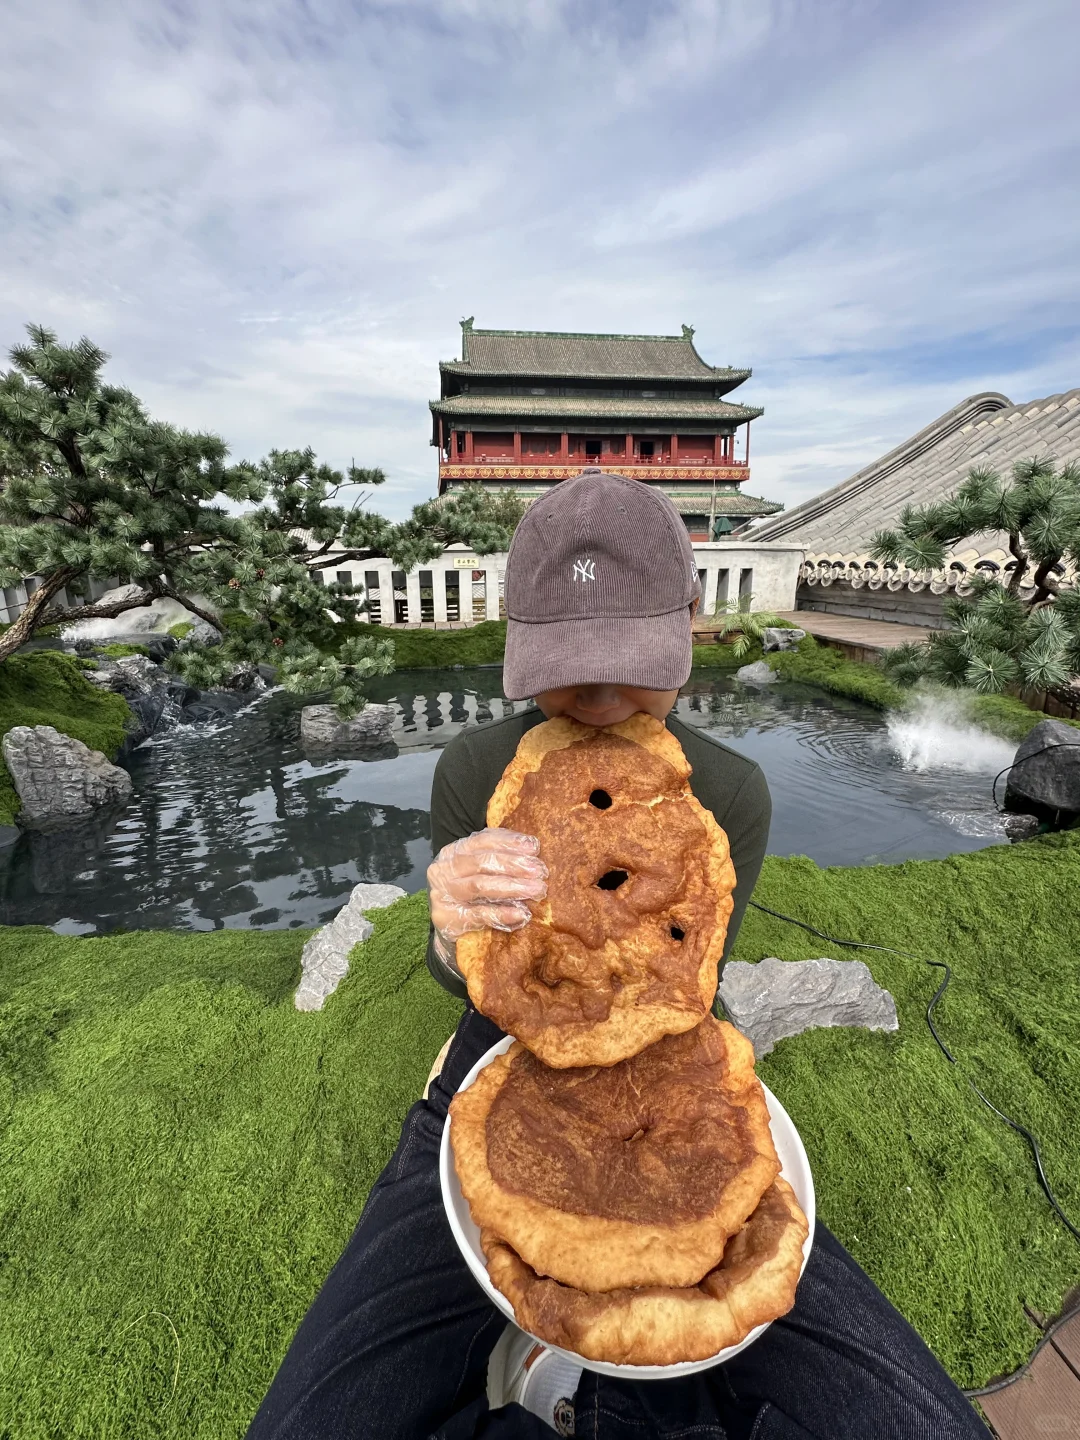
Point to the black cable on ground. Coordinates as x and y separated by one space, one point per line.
1013 1124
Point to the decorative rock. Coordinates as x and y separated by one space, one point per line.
60 781
776 998
201 633
1046 770
145 687
322 728
757 674
776 637
325 959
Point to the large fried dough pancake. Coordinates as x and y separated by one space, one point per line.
625 948
663 1325
633 1174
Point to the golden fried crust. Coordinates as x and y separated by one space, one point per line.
664 1325
635 1174
602 971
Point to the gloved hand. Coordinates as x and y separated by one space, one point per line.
482 882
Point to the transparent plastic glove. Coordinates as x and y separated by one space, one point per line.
483 882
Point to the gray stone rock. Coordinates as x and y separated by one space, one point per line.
201 633
1046 770
321 728
60 781
146 688
245 677
324 962
8 835
776 998
757 674
776 637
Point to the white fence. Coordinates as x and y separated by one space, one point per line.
466 588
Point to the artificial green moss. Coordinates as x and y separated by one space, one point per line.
821 665
182 1151
828 668
47 687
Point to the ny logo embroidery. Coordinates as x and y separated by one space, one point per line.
584 570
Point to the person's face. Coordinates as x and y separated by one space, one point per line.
605 704
608 704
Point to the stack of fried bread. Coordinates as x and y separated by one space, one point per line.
618 1158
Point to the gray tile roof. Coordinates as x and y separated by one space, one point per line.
581 407
985 429
553 352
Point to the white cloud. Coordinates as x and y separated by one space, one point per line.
273 214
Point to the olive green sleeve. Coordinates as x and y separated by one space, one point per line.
459 799
746 822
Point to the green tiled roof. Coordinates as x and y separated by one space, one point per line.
581 407
586 356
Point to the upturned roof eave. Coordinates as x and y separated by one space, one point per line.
726 375
459 406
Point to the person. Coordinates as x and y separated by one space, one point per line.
601 589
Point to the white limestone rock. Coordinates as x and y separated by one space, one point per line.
757 674
776 637
60 781
777 998
325 959
322 728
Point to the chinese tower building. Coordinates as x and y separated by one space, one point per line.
523 409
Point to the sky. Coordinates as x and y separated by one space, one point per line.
274 214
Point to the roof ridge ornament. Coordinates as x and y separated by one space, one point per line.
467 325
688 332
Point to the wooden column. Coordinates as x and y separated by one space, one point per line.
453 446
629 449
564 447
674 449
442 442
517 448
746 457
717 452
469 446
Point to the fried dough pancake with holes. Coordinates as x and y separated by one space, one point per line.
631 1174
625 948
664 1325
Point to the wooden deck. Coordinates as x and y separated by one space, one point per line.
1044 1402
858 639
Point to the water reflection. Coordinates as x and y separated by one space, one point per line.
237 827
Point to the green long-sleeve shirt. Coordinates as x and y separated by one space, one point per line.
725 782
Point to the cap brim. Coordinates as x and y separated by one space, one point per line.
654 653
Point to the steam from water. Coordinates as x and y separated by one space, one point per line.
936 732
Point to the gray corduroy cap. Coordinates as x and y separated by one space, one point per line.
599 581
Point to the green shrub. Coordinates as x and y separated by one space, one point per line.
180 629
47 687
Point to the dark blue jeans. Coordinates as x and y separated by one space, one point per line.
396 1343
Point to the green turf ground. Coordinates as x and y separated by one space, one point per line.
183 1155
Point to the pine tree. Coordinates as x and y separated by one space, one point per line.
1025 633
92 488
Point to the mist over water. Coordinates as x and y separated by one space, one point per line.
936 732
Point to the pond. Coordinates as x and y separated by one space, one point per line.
234 826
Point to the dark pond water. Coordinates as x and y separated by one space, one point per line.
236 827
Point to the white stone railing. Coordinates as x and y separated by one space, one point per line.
728 570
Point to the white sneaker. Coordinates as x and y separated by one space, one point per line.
539 1380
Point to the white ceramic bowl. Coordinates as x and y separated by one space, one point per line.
794 1167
